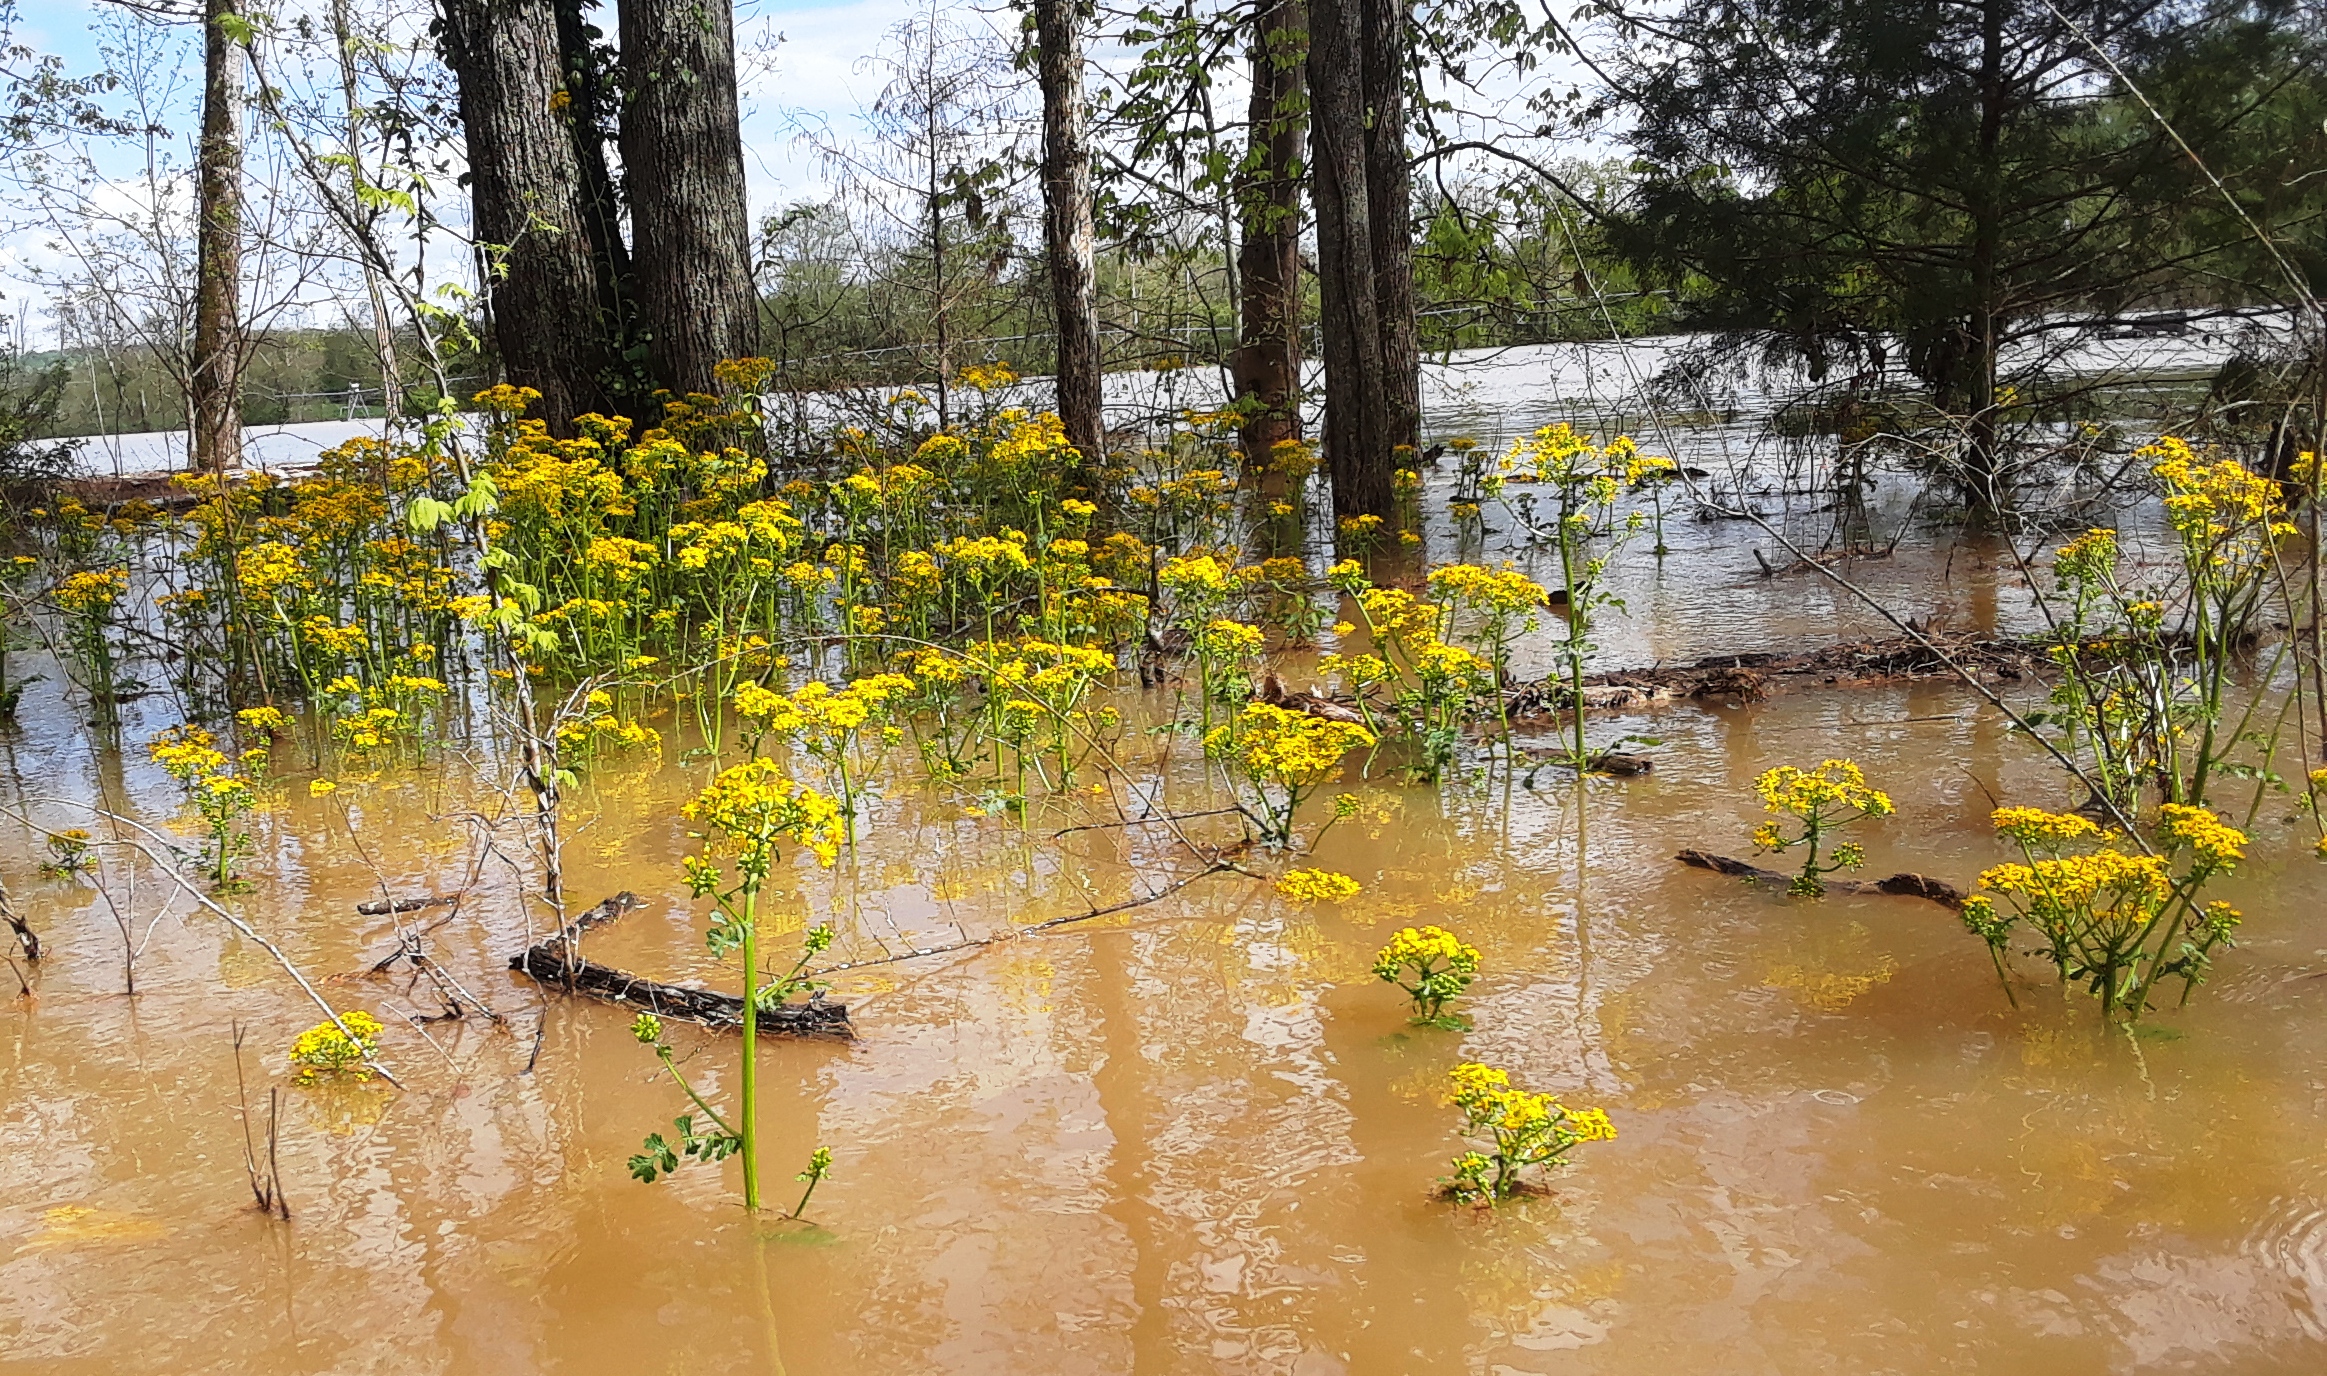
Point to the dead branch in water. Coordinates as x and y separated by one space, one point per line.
1051 924
25 936
1905 884
267 1187
548 961
157 849
379 907
1752 676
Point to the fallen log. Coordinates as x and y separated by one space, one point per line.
1273 692
1904 884
1751 676
553 961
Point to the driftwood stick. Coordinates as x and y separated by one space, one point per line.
1048 925
547 962
380 907
1905 884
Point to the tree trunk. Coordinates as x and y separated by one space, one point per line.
1066 222
1982 461
590 117
214 379
1267 362
526 190
1357 449
1389 191
682 159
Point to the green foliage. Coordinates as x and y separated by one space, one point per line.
1845 186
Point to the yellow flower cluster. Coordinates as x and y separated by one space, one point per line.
91 592
2198 492
1201 580
262 719
1424 948
1592 474
269 567
1226 641
1526 1129
1030 442
2078 881
988 377
2213 843
1316 886
1832 784
2088 558
1504 591
1272 743
188 754
325 1050
2037 829
752 805
988 557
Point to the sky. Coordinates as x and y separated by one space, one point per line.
802 67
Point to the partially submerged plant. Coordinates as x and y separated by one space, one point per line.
743 814
2117 922
190 755
1433 966
1281 757
1821 800
1519 1130
1431 683
2148 687
68 853
326 1050
1583 481
87 601
819 1166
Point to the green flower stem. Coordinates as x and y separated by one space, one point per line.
749 1113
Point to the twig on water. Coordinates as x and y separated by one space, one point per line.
1052 924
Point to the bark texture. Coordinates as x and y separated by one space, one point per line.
1068 235
214 372
528 198
1389 189
586 67
1267 363
1357 385
682 158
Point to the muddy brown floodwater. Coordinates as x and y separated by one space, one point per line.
1199 1137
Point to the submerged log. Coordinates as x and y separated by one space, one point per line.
554 961
1753 676
1273 692
1905 884
381 907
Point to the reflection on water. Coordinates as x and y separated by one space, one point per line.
1196 1137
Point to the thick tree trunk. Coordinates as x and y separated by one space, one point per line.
1068 236
682 159
1357 448
214 377
1389 191
1267 362
526 190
